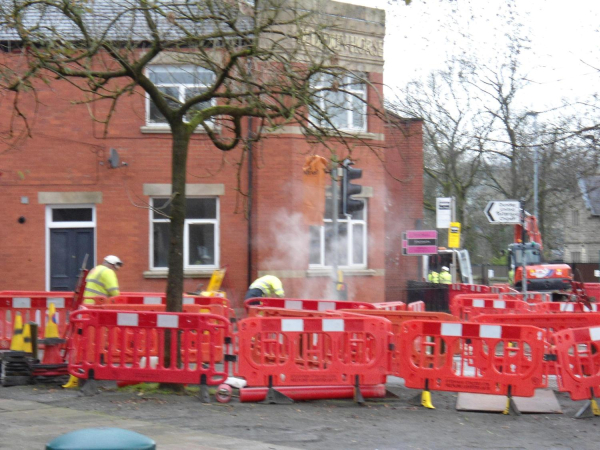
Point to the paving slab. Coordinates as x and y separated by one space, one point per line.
543 402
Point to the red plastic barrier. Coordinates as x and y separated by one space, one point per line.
428 358
468 306
390 306
397 318
313 351
258 394
309 305
32 308
200 343
100 335
146 298
548 323
560 307
263 311
416 306
578 354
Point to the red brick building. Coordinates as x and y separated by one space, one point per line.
62 199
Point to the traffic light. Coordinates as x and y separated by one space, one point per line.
348 204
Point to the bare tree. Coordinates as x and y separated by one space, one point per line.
271 60
454 134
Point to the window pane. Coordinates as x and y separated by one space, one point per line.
342 245
358 113
72 215
336 107
180 75
155 115
162 208
358 244
161 244
201 244
315 245
201 208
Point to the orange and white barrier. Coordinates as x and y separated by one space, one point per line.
128 346
307 305
391 306
313 351
32 307
578 355
467 306
416 306
429 359
560 307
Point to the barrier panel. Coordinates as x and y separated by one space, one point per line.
549 323
309 305
468 306
391 306
397 318
313 351
145 298
32 308
578 366
560 307
264 311
201 343
127 346
429 359
416 306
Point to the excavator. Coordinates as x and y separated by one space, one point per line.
528 247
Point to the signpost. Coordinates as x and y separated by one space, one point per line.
454 235
443 212
503 212
419 242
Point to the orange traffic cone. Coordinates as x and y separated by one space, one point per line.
16 343
27 344
51 330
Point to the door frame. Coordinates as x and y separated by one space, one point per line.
50 225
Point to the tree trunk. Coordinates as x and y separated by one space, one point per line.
176 229
178 178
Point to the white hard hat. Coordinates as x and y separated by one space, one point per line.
114 260
445 268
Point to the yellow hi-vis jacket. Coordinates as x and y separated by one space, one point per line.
100 282
445 277
433 277
270 286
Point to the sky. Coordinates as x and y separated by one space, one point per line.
564 41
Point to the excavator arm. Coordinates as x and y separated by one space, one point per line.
532 232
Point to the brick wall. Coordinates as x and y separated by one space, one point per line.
68 153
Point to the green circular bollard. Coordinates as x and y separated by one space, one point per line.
102 439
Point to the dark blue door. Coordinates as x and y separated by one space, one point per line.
68 247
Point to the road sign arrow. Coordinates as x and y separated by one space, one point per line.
503 212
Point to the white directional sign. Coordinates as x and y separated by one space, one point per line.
503 211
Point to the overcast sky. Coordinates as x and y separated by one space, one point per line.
564 37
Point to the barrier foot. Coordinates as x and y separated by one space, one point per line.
390 394
358 397
72 383
204 394
590 409
511 407
274 397
426 400
90 387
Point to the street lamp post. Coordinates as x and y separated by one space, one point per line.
535 162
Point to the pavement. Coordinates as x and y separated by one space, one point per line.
31 425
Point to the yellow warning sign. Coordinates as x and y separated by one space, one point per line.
454 235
